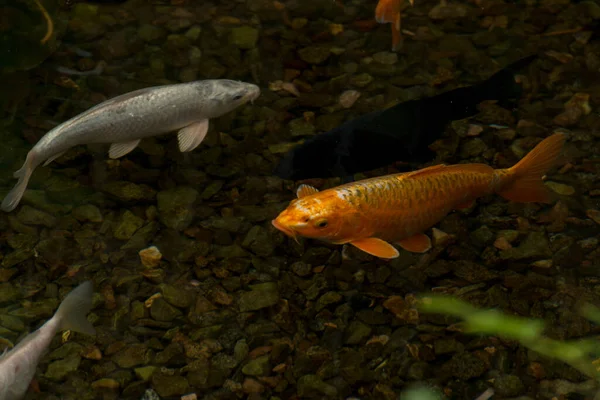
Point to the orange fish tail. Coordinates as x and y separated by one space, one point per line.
386 11
523 182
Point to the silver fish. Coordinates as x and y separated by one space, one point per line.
126 119
17 367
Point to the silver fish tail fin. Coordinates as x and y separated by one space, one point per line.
72 312
13 197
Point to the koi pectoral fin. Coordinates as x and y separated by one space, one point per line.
376 247
54 157
192 135
419 243
120 149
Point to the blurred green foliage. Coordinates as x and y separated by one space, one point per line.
528 332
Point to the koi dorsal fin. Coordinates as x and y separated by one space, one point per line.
425 171
305 190
436 169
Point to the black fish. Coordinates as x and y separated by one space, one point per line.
400 133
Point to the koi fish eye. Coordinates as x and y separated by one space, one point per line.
321 223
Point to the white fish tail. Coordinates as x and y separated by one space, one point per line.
13 197
72 312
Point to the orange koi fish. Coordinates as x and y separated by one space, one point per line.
372 213
388 11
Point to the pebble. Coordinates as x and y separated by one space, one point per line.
150 257
386 58
561 188
348 98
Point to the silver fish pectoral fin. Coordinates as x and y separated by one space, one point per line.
192 135
54 157
120 149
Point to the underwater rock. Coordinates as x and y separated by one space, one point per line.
357 332
261 295
151 33
127 225
314 54
508 386
244 37
465 366
150 257
312 385
132 356
260 366
534 246
175 207
259 242
170 385
59 369
129 192
87 213
163 311
30 216
9 293
145 373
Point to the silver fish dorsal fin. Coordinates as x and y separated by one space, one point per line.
305 190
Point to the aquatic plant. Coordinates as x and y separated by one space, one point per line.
527 331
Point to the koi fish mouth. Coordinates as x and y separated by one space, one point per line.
253 95
288 231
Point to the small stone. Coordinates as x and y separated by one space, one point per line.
163 311
262 295
244 37
252 386
132 356
508 386
561 188
348 98
314 54
105 384
535 245
386 58
301 268
58 370
145 373
313 386
327 299
87 212
151 33
300 127
128 224
259 241
175 207
130 192
150 394
31 216
260 366
170 385
150 257
357 332
361 80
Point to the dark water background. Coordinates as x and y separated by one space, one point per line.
236 310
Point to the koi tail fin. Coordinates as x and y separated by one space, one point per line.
385 12
388 11
74 309
525 177
13 197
